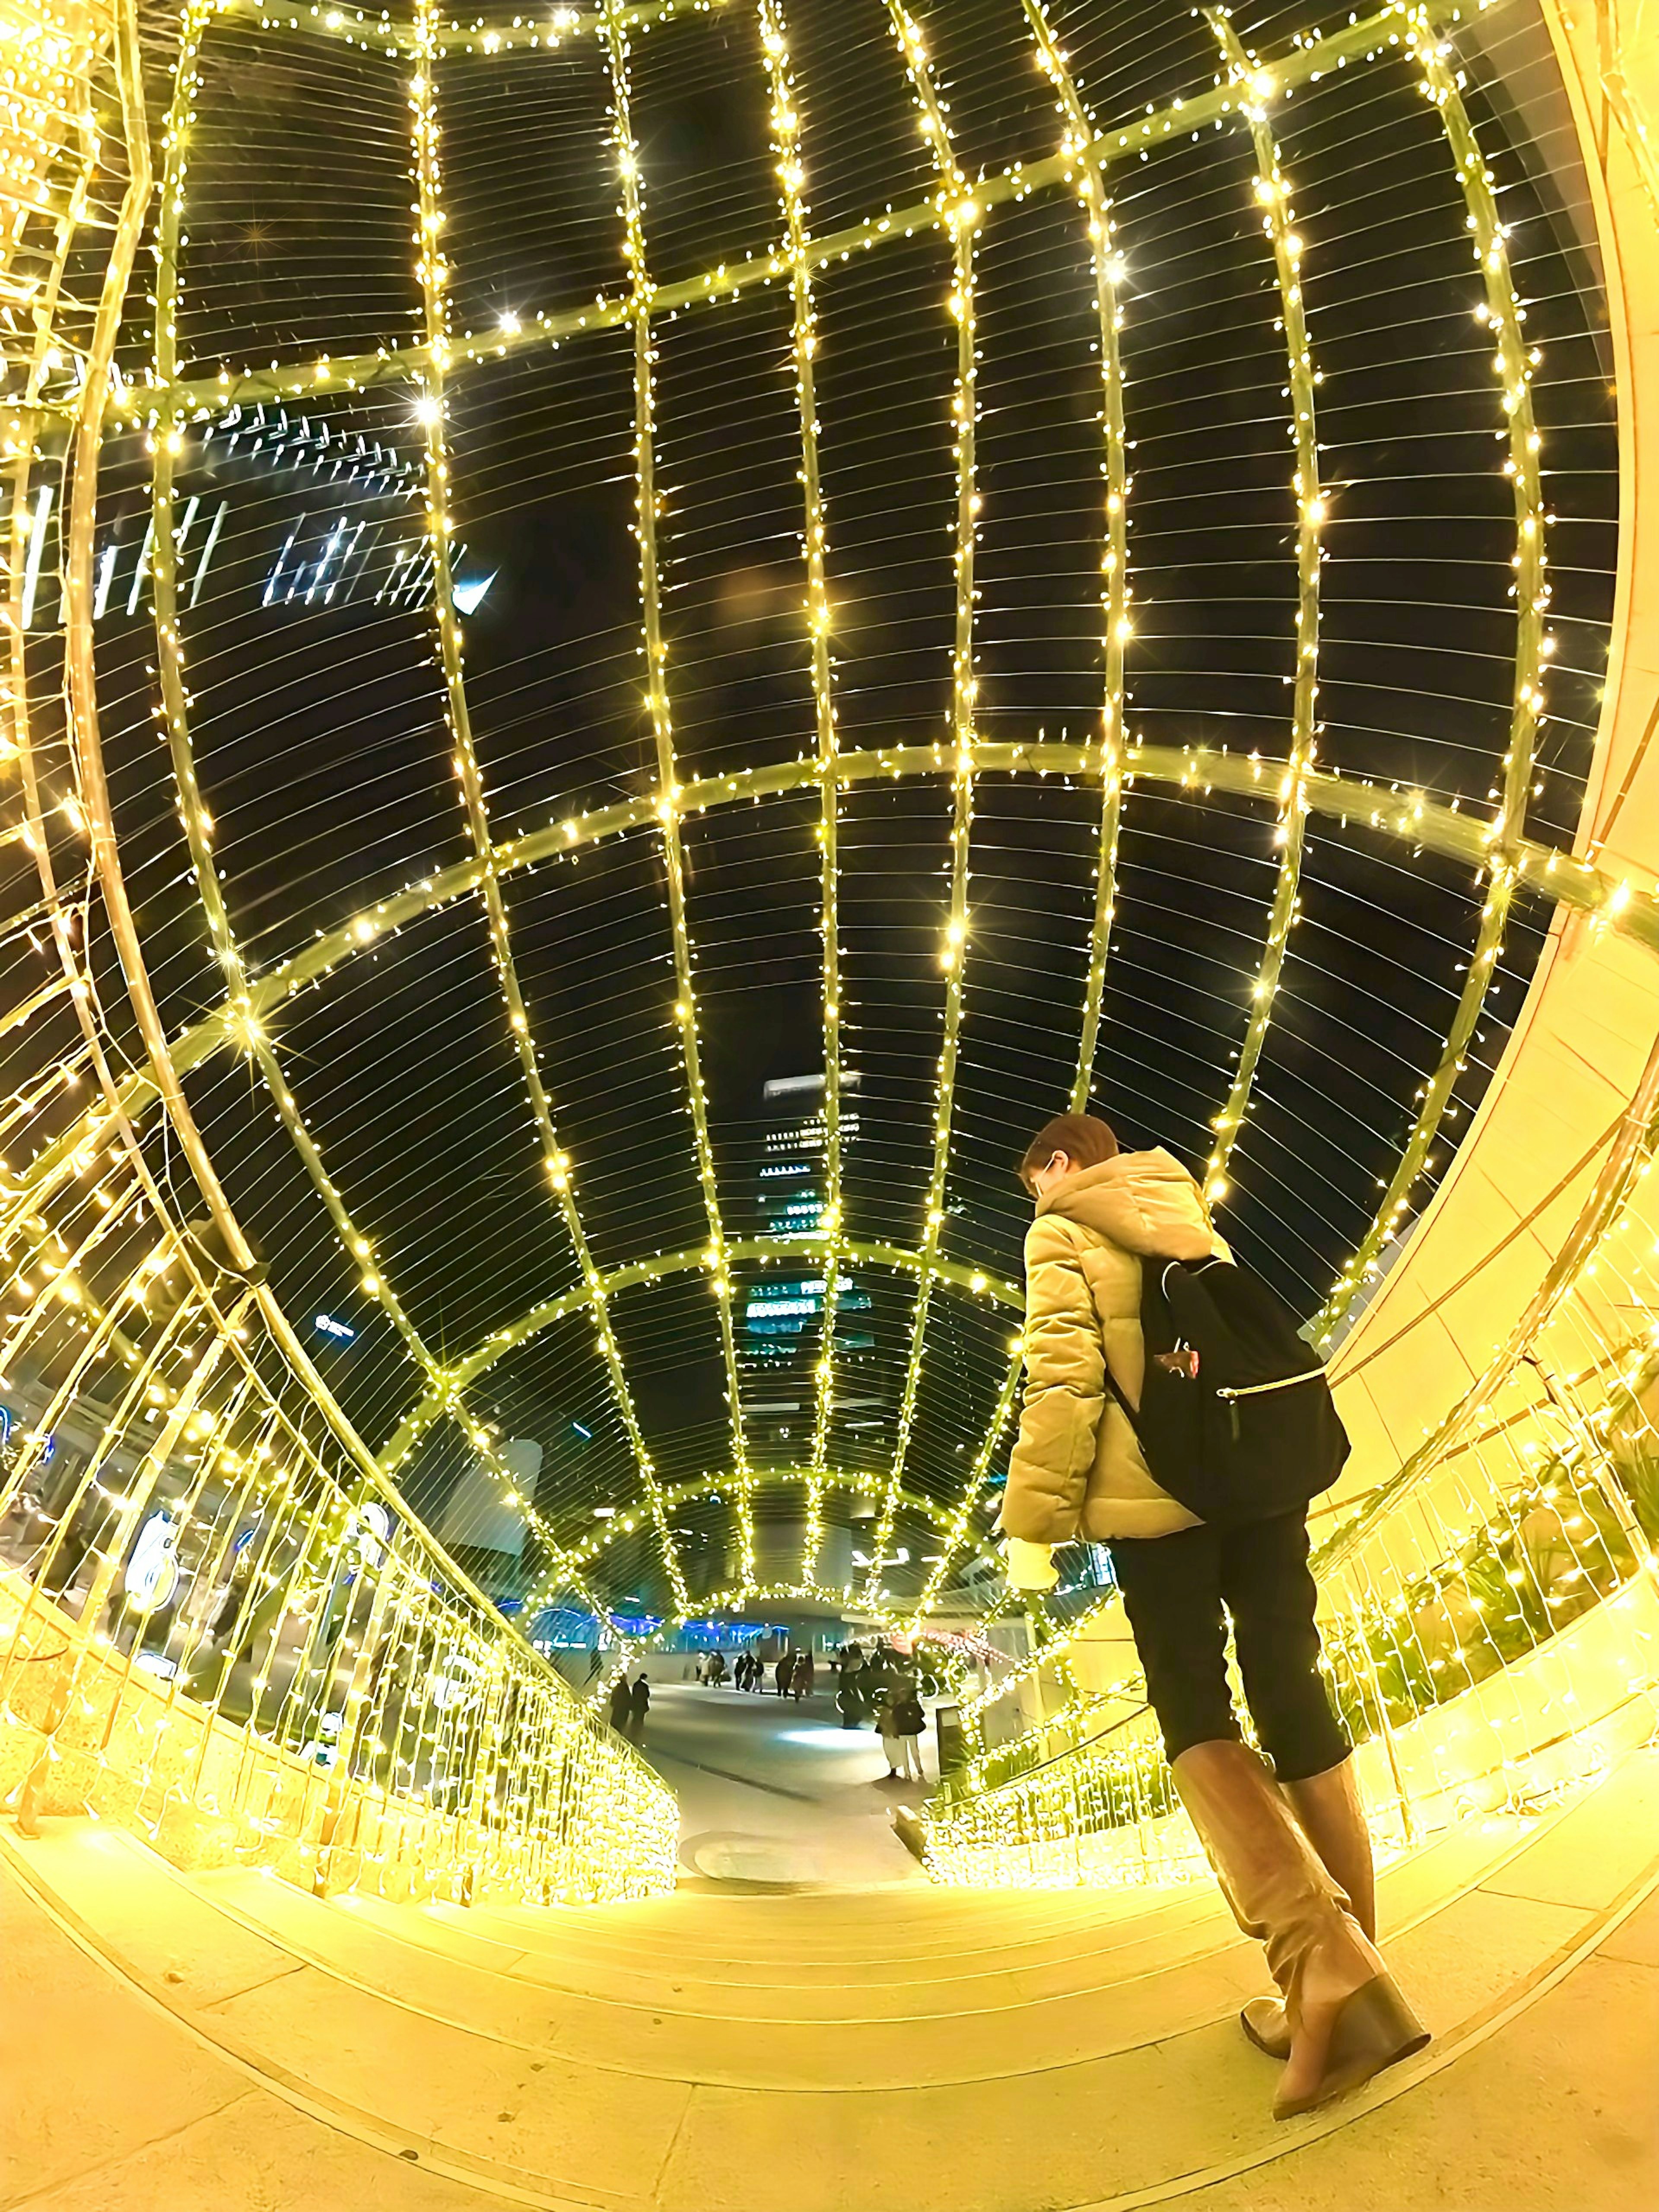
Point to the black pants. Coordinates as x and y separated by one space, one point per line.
1174 1590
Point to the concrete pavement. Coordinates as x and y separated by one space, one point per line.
776 1793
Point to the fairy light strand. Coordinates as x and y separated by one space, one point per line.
786 150
1309 59
1256 89
959 215
649 504
433 269
166 441
1079 138
1503 311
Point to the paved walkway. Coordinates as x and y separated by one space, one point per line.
777 1793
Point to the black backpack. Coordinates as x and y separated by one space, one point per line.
1236 1419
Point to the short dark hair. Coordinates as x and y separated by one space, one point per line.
1084 1138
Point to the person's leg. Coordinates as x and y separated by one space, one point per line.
1270 1596
1346 2019
1270 1593
1171 1590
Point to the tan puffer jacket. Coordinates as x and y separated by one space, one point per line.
1076 1468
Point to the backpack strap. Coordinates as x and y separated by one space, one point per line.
1112 1385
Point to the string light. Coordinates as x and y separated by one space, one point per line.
1273 191
164 443
648 508
959 215
786 149
1304 62
1078 142
433 269
1504 313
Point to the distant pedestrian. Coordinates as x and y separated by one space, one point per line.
891 1744
801 1678
639 1703
849 1700
622 1703
908 1722
786 1668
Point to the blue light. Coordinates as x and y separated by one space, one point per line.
467 592
328 1326
581 1431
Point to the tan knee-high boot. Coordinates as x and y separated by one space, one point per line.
1327 1807
1347 2018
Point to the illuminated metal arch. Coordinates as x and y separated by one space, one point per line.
974 1281
1350 801
637 1519
1294 65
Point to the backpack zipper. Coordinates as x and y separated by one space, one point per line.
1256 1389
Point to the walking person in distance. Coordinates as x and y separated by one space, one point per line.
639 1704
887 1727
622 1703
908 1722
1120 1239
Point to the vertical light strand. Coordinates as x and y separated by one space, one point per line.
959 215
49 100
165 442
785 147
1502 313
647 507
1076 141
956 1531
1255 89
1084 168
432 271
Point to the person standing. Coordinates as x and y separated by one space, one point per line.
801 1678
786 1668
849 1698
910 1720
1287 1840
888 1729
622 1703
639 1704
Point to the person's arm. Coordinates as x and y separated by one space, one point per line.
1031 1566
1065 1388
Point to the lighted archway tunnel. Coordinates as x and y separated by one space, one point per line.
636 638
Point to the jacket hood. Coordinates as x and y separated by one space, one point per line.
1146 1202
